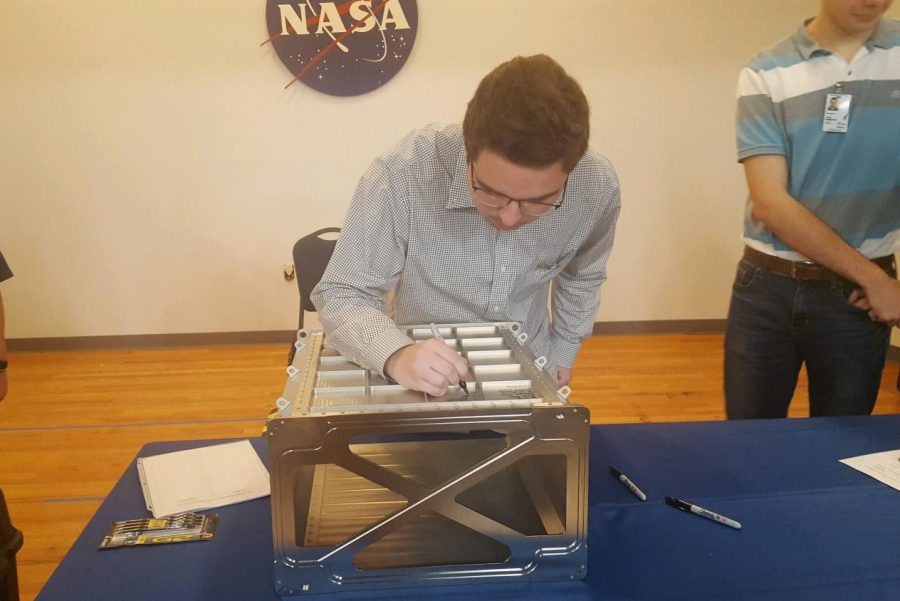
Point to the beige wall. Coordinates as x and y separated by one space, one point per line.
154 173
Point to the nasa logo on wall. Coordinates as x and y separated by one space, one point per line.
343 48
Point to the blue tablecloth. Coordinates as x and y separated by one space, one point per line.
813 528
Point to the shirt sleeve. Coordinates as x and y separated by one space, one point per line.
759 125
576 289
5 271
367 262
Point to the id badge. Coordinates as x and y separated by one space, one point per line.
837 113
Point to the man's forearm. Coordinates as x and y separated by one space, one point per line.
798 227
575 303
807 234
360 331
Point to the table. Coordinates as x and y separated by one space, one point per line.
813 528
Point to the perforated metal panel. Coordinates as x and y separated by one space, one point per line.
374 485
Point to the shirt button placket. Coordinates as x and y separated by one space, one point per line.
500 285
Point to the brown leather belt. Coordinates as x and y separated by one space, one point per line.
803 270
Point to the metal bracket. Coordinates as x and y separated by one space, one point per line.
284 406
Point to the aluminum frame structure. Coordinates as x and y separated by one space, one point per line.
376 486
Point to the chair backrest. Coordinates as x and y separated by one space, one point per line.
10 543
311 255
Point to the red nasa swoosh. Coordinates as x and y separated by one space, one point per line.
342 9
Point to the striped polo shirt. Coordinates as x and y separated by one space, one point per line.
851 180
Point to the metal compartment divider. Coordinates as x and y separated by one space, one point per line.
377 486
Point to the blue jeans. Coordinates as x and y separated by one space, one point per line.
776 323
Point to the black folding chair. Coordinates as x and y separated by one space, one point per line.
311 255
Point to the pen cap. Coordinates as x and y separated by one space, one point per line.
678 504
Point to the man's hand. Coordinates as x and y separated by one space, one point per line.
429 366
563 376
881 299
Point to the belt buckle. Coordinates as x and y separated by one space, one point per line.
794 265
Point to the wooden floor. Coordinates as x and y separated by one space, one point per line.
74 420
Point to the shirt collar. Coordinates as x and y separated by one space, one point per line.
808 47
459 197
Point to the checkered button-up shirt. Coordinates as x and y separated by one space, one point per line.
413 228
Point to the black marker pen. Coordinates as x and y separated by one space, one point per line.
628 483
705 513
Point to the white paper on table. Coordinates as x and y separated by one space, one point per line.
884 467
202 478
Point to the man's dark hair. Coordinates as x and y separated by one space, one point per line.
531 112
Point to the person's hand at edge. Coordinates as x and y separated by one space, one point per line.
881 300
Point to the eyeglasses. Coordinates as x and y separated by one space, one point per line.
495 200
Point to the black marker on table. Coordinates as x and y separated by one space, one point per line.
628 483
705 513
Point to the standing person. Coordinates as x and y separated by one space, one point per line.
474 224
5 274
817 282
